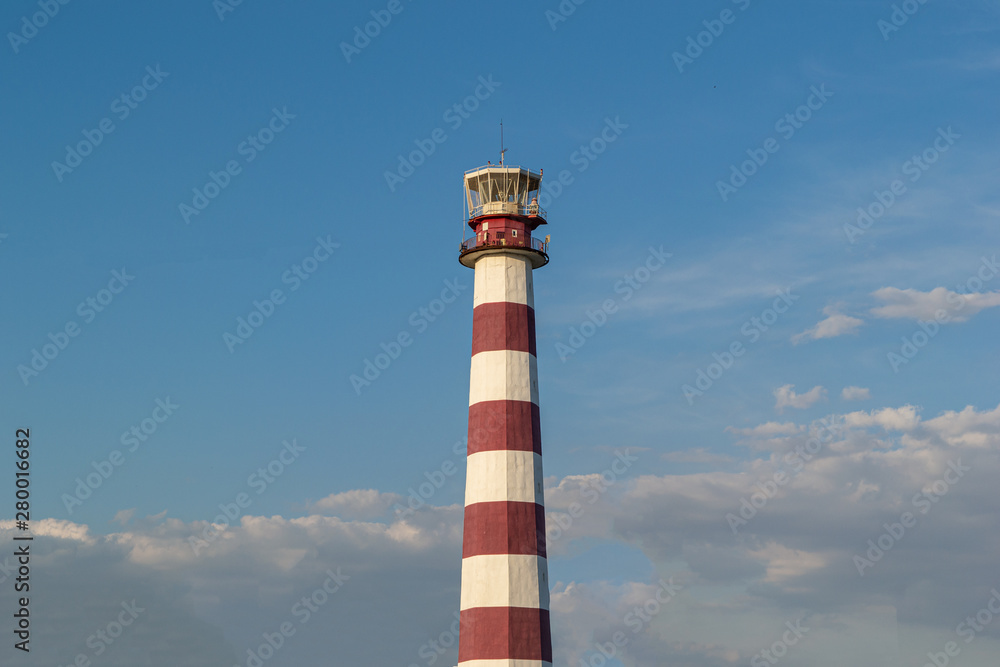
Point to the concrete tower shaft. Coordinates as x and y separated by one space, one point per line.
505 586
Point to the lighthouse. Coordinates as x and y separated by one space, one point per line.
505 587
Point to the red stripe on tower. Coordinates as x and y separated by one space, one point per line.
503 326
504 527
504 425
511 634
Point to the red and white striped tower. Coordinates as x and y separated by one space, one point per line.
505 588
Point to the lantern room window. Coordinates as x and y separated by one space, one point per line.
503 190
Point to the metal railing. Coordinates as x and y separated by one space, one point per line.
516 242
507 208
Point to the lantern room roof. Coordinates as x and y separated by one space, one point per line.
497 169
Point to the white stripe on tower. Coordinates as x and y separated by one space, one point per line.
504 375
503 279
505 580
505 590
503 475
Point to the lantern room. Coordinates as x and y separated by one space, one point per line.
502 210
502 190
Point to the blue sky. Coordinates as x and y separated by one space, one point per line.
334 125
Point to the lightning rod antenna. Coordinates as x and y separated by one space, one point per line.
502 149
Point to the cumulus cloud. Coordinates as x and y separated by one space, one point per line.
916 305
905 418
794 555
856 393
208 609
785 397
586 615
356 504
835 324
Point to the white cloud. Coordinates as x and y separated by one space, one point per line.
835 324
207 609
124 516
905 418
794 557
917 305
785 397
586 614
968 428
856 393
785 564
356 504
768 429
